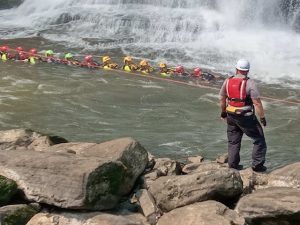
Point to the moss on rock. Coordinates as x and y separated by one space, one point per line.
8 188
18 216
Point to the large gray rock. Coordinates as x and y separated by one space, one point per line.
24 139
288 176
125 150
87 219
175 191
203 213
17 214
76 181
274 206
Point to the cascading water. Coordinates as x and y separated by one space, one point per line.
210 33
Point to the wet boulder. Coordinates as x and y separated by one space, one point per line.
176 191
8 188
204 213
276 206
6 4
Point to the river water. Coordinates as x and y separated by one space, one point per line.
168 119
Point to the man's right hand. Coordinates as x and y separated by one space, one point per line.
263 121
223 115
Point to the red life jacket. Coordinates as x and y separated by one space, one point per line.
236 91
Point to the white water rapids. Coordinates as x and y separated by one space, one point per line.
209 33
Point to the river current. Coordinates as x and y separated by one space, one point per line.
168 119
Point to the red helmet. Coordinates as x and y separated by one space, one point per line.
88 58
197 72
179 69
33 51
20 49
4 48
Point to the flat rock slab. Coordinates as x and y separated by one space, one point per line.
203 213
276 206
87 219
175 191
288 176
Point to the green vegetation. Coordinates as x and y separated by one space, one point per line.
8 189
20 216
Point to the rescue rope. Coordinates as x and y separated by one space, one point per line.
149 76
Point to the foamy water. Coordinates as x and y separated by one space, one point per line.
203 33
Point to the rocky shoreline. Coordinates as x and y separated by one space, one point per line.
50 181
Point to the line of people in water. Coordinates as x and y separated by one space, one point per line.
88 61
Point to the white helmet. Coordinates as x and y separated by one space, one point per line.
243 65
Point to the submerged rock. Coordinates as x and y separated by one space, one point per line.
17 214
276 206
204 213
175 191
8 188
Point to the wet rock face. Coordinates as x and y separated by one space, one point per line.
276 206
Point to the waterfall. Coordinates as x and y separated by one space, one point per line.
210 33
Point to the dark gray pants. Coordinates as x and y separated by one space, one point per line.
236 127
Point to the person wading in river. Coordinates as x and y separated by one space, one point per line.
242 97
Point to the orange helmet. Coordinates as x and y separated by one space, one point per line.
127 59
144 62
106 59
162 65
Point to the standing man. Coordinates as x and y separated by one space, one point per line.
239 99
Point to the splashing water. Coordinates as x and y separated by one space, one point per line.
208 33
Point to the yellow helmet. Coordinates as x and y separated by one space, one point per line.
105 59
162 65
127 59
144 63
